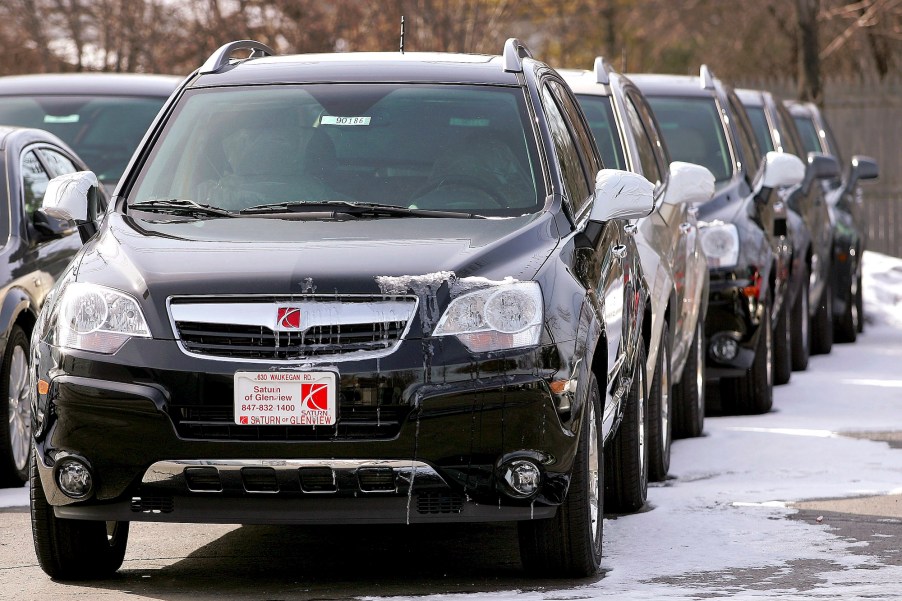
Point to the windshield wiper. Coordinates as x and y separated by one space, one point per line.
353 209
180 206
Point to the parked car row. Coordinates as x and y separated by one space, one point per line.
408 288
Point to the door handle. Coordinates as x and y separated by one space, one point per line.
685 227
630 228
619 251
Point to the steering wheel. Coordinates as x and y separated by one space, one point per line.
463 181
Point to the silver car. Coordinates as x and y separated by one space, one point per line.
676 268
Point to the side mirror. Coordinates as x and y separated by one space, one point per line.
77 197
53 223
823 166
782 170
621 195
862 168
689 183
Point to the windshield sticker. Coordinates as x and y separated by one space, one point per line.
332 120
61 118
461 122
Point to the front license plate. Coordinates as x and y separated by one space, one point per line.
296 398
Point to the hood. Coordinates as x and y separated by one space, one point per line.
262 256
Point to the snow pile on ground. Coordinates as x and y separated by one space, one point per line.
882 289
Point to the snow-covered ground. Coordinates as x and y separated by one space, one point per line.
721 526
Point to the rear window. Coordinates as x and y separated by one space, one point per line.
103 131
443 147
694 133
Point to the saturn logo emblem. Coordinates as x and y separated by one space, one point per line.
288 318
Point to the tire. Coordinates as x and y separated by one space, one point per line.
689 393
569 544
822 328
755 391
73 549
859 302
626 462
15 437
660 412
801 329
782 348
845 329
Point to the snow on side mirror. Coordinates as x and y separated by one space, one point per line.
621 195
74 193
689 183
782 170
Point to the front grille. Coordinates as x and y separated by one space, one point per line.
260 342
259 328
439 502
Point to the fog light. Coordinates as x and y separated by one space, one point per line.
723 348
522 478
74 478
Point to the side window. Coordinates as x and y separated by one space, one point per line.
575 185
650 168
57 163
749 148
788 136
582 136
34 182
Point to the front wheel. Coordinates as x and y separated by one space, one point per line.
822 328
689 393
782 348
15 440
801 325
846 327
626 462
73 549
660 409
755 391
569 544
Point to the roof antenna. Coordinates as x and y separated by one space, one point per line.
402 34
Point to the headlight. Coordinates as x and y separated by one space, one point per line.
720 241
501 317
97 318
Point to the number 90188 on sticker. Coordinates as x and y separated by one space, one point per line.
285 398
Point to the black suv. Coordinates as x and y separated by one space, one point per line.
353 288
743 228
37 246
845 200
810 326
102 116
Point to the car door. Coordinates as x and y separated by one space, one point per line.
614 274
43 258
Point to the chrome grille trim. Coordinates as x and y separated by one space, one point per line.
322 317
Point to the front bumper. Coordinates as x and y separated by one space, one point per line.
735 313
421 436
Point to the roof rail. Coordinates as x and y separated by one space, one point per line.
707 79
220 58
601 69
514 53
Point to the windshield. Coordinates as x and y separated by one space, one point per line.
600 116
694 133
103 131
438 147
808 133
